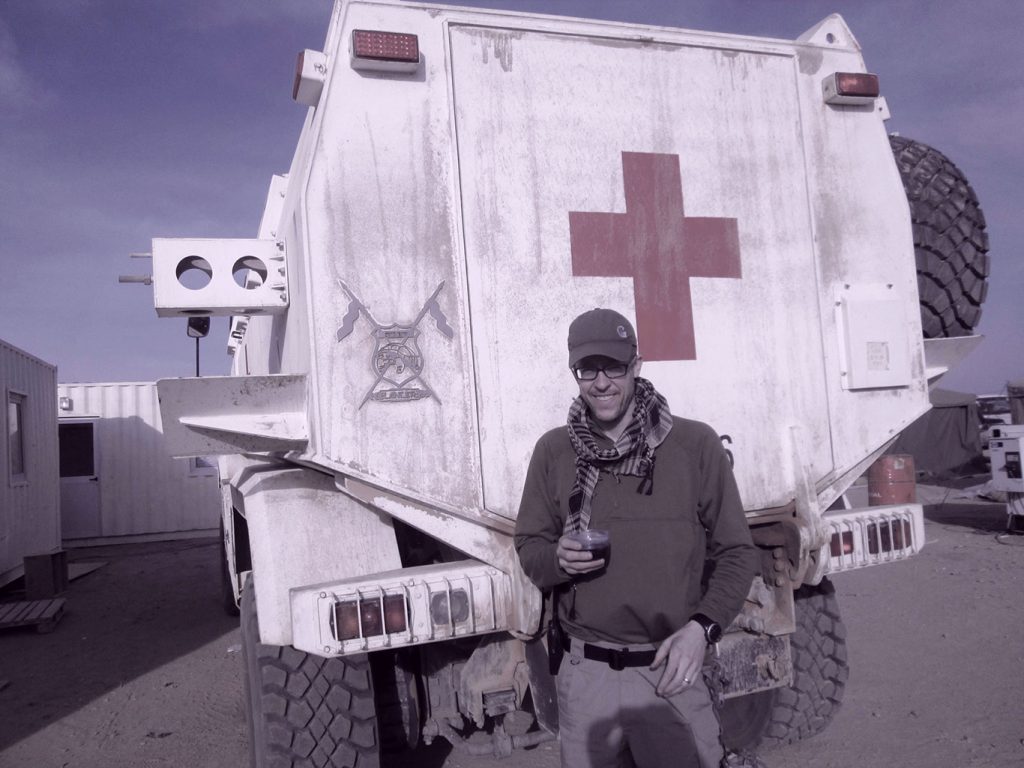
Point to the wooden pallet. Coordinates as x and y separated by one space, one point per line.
44 614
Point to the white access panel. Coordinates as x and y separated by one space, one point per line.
872 323
566 142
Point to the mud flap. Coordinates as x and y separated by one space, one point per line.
751 663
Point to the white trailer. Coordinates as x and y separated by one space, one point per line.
29 503
465 183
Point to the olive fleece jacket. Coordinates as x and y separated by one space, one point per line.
651 585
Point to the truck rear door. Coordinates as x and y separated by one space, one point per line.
662 177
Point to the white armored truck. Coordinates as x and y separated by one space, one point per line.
465 183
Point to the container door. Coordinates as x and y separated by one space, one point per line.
79 480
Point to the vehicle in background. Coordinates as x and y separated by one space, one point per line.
993 411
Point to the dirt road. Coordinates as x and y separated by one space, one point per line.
143 670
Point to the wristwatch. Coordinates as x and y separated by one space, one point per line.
712 629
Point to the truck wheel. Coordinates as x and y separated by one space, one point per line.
786 715
304 710
950 241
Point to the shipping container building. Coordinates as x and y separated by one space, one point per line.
118 481
29 500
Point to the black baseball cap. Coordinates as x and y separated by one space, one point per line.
601 332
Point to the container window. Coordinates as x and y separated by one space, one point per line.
202 466
77 458
16 437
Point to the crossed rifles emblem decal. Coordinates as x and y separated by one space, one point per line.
396 361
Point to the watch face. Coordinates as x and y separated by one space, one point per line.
713 632
712 629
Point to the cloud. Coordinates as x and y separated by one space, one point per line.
20 91
991 124
15 84
232 14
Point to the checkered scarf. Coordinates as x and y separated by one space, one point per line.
632 453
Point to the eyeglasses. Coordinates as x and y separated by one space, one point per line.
589 372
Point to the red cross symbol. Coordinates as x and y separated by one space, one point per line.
660 248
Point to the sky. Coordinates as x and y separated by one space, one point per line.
124 120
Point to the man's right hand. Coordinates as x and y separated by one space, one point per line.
574 559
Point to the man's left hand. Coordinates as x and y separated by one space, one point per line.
682 655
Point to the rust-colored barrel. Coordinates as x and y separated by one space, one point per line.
891 480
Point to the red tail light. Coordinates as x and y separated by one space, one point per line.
841 545
364 618
850 88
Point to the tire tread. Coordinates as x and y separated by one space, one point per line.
819 666
820 670
309 711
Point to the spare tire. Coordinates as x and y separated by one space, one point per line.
950 241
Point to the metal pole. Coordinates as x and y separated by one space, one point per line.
197 357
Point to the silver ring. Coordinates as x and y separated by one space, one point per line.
686 679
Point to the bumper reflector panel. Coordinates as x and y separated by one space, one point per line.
862 537
397 608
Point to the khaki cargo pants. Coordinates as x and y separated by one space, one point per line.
615 719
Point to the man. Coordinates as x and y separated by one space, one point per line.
639 621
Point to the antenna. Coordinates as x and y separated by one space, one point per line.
144 279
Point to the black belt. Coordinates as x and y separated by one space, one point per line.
616 658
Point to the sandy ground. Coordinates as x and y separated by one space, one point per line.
144 669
